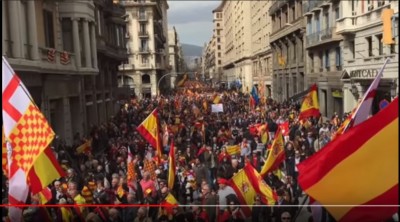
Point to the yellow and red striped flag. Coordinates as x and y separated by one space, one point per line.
171 166
358 158
27 135
233 150
85 148
276 154
217 99
310 105
131 167
247 183
45 170
181 82
150 130
45 195
169 203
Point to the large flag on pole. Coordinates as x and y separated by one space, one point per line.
247 183
150 130
276 154
348 171
363 110
171 166
310 105
27 135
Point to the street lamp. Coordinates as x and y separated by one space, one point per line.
168 74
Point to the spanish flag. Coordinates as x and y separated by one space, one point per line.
150 130
169 203
348 171
183 80
217 99
84 148
45 170
45 195
310 105
171 166
247 183
276 154
233 150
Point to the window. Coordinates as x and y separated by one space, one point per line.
219 62
219 47
338 59
393 48
117 31
143 44
66 27
309 26
146 79
145 60
327 61
317 23
352 49
311 62
48 28
217 24
321 61
218 40
219 54
337 13
142 28
142 13
380 44
369 45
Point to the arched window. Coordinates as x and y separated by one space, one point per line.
145 79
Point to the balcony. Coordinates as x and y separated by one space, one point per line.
322 37
312 5
277 5
350 24
144 50
143 34
126 67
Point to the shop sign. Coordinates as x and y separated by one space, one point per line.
363 74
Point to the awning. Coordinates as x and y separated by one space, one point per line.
299 96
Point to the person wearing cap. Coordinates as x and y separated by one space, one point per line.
223 192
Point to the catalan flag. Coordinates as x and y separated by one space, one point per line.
131 166
276 154
171 166
247 183
310 105
149 129
4 164
348 171
27 135
233 150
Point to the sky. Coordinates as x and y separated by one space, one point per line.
192 20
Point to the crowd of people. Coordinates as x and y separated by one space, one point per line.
203 166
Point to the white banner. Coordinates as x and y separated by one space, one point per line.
217 108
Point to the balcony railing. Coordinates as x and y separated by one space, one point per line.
143 34
144 50
320 37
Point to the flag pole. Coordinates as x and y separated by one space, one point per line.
375 82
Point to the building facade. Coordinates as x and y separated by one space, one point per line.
53 48
261 50
288 28
175 55
323 54
360 24
147 44
237 49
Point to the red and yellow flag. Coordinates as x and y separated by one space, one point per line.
247 183
233 150
276 154
217 99
85 148
4 164
181 82
310 105
169 203
358 157
150 130
45 170
171 166
131 166
45 195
